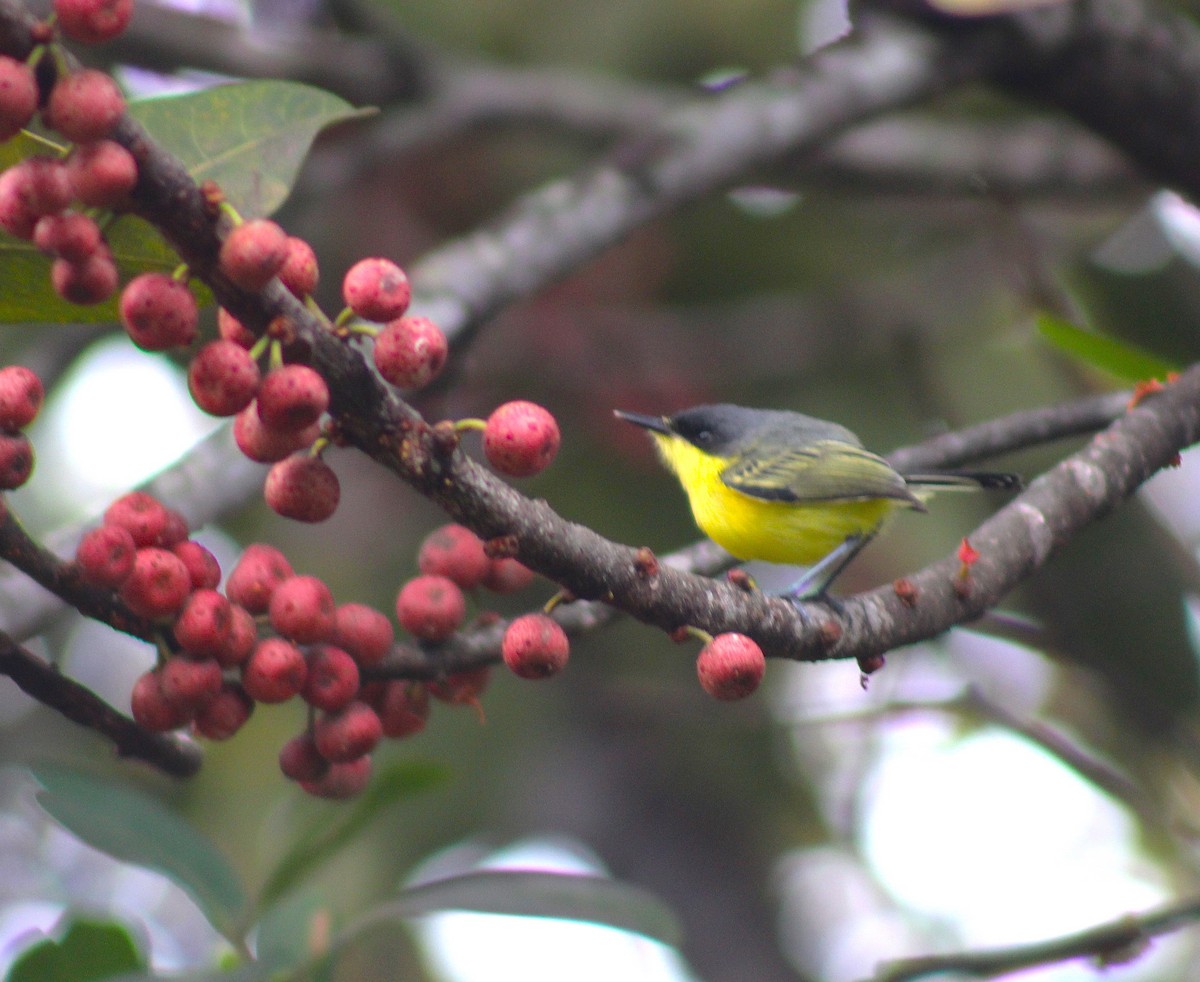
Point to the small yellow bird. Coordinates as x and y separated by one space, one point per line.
788 488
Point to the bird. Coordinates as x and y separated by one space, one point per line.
791 489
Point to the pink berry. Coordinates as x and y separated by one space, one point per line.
84 106
204 625
90 282
506 575
341 781
455 552
302 610
265 445
520 439
275 671
203 569
253 253
190 682
223 378
21 396
16 460
348 734
159 312
376 289
257 574
93 21
70 235
292 398
243 636
300 761
102 173
535 647
332 681
232 329
142 514
303 488
410 352
175 532
105 556
364 632
151 709
403 707
431 607
731 666
17 216
18 97
158 584
225 713
299 272
47 186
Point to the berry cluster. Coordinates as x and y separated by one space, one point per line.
21 396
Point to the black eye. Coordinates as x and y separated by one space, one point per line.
703 436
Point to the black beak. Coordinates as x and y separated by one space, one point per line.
659 424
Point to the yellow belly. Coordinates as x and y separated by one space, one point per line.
778 532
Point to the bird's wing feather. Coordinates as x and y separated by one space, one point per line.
824 470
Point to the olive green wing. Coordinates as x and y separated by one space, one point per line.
823 470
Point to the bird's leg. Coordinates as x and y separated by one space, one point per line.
817 578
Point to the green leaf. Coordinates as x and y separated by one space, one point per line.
596 899
294 931
328 833
136 828
90 949
1127 362
249 137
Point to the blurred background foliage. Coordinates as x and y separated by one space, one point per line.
899 314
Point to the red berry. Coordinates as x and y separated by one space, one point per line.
364 632
303 488
204 625
730 666
84 106
292 398
299 272
225 713
105 556
302 610
18 97
410 352
341 781
265 445
275 671
258 572
93 21
142 514
90 282
158 584
431 607
159 312
175 532
332 681
253 253
190 682
520 439
17 216
16 460
376 289
232 329
535 646
455 552
203 569
300 761
461 688
403 707
102 173
47 187
70 235
223 378
507 576
150 707
348 734
243 636
21 396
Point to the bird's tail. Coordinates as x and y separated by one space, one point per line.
965 481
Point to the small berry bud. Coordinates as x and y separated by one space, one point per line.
376 289
256 575
223 378
159 312
253 253
292 398
232 329
303 488
410 352
364 632
520 439
535 647
302 610
431 607
105 556
21 396
731 666
348 734
275 671
299 272
84 106
455 552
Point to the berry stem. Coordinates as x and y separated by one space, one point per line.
463 425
